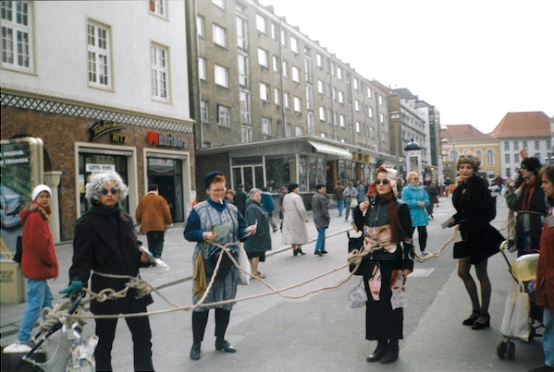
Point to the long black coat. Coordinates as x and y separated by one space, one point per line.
261 240
107 246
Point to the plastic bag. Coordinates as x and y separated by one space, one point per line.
244 263
356 298
515 323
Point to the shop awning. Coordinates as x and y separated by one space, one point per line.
326 148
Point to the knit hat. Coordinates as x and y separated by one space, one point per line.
210 177
40 188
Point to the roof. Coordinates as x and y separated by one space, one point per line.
522 124
464 133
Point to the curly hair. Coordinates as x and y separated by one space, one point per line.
96 184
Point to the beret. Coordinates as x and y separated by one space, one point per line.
210 177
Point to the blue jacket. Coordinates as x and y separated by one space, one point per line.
412 196
267 203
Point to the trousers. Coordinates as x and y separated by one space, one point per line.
155 242
200 319
39 296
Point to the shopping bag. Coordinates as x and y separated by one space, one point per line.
244 263
515 322
353 203
357 297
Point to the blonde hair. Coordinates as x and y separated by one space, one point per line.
412 175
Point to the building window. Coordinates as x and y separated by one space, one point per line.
242 33
243 70
160 73
537 145
358 127
297 103
283 38
294 44
158 7
355 84
516 145
277 96
516 158
275 64
321 113
219 36
311 124
246 134
202 68
285 68
266 126
295 74
490 157
263 58
219 3
98 49
368 92
223 116
17 35
320 87
357 105
309 97
298 131
264 92
341 96
244 107
370 112
308 70
339 73
204 111
261 24
381 118
507 158
221 76
506 146
200 26
273 31
319 60
341 120
524 145
381 100
287 100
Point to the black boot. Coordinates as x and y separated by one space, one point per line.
391 355
378 353
195 352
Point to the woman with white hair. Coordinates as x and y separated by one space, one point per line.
256 245
418 200
106 244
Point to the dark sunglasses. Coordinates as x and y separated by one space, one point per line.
105 191
384 182
466 156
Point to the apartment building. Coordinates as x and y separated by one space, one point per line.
276 107
104 86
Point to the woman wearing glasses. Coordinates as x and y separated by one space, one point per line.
418 200
106 244
385 221
475 210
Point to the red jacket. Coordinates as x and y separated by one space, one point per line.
38 261
545 272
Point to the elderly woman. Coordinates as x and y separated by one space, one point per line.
418 200
106 244
256 245
475 210
386 223
295 218
206 219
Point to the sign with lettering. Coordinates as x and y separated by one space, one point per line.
101 127
99 167
169 140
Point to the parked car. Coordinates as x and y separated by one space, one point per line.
10 205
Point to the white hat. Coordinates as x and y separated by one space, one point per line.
40 188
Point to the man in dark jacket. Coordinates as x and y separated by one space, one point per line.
320 208
240 199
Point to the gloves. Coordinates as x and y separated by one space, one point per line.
75 287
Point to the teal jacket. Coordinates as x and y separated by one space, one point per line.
412 196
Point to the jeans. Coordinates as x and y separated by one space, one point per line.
340 205
548 337
39 296
155 242
320 244
348 209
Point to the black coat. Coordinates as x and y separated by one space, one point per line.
107 246
261 240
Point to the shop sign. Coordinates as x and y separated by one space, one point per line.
160 139
101 127
99 168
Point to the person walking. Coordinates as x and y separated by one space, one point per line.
320 209
240 199
339 196
433 193
418 200
349 193
295 218
387 224
214 211
360 188
474 212
256 245
153 216
105 244
269 206
544 288
38 264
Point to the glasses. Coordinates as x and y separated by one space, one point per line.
384 182
523 167
466 156
106 191
218 190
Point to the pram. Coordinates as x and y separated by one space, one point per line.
59 348
523 271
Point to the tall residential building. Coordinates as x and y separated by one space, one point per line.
104 86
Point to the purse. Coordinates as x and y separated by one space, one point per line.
225 266
462 249
357 297
355 243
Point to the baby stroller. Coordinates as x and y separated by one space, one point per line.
60 348
522 317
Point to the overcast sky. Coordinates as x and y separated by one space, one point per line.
475 60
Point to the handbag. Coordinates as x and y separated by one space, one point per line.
355 243
462 249
357 297
244 263
353 203
18 250
225 266
515 322
435 199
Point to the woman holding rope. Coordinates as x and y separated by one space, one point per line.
106 244
206 220
386 224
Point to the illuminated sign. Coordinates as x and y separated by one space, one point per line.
160 139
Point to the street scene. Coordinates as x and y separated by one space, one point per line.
308 327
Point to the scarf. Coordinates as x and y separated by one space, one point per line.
397 232
103 211
44 212
527 190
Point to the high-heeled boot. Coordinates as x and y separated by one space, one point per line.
378 352
391 355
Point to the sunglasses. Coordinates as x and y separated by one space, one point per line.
384 182
105 191
466 156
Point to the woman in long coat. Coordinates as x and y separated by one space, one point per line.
295 218
256 245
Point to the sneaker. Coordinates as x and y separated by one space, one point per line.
19 347
424 253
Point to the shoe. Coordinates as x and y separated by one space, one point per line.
295 252
469 321
275 229
317 253
431 216
424 253
195 352
259 275
478 325
301 252
324 252
544 368
377 354
225 346
390 355
20 347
